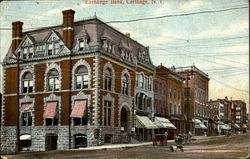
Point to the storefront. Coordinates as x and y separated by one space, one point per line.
144 127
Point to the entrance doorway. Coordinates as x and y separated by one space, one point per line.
124 119
51 142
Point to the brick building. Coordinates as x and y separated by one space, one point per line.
240 114
169 90
221 111
195 97
77 84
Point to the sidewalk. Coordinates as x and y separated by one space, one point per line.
119 146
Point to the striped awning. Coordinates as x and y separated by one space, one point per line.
144 122
200 125
163 123
196 120
25 107
78 109
225 127
50 110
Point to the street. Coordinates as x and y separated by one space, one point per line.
234 146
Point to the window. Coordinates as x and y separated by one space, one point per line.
170 93
164 89
107 79
160 89
53 80
81 44
175 109
137 79
146 83
179 95
160 107
175 94
141 80
26 119
81 77
107 113
51 114
156 105
27 83
179 109
107 46
30 52
25 53
171 109
150 84
80 115
125 84
50 48
156 87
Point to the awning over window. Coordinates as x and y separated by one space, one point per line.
163 123
50 110
25 107
25 137
144 122
196 120
225 127
78 109
236 126
200 126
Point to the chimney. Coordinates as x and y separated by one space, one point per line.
128 35
17 30
68 32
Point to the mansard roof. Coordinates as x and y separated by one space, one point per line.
95 30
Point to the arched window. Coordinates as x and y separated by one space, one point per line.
125 84
141 80
81 77
27 83
53 80
107 79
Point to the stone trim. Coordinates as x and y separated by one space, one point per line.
96 99
77 64
109 65
51 98
49 67
109 97
125 71
3 97
129 110
27 99
83 96
31 70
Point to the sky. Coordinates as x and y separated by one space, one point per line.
183 34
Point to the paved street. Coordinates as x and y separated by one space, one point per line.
204 147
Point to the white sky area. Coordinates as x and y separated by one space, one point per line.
216 43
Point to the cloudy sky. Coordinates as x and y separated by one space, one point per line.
211 34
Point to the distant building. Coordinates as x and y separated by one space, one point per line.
240 116
195 96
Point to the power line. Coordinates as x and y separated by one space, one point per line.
177 15
229 86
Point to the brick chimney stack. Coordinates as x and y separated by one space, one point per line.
17 31
68 32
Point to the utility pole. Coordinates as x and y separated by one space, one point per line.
70 87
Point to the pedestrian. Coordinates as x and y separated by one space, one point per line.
176 139
190 136
166 137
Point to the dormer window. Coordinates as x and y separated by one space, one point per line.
25 52
107 45
50 48
30 52
81 44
